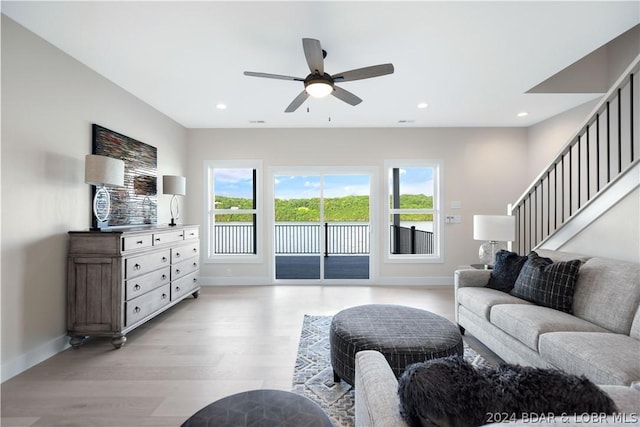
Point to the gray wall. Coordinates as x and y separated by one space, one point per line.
49 102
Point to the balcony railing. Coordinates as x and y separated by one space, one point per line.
409 240
296 238
340 238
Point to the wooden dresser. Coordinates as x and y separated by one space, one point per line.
119 279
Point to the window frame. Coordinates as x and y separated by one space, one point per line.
210 211
438 220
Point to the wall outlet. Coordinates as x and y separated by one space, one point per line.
453 219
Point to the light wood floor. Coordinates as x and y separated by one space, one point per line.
231 339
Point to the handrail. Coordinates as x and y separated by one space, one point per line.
575 172
608 96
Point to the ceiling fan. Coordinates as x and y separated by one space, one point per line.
320 84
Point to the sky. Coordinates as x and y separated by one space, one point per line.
237 182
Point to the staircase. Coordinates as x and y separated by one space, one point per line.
598 168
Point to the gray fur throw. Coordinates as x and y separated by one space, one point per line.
451 392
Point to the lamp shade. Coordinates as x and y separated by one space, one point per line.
174 184
103 170
499 228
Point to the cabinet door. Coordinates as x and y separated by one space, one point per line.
93 294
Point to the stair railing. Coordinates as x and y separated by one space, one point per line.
602 149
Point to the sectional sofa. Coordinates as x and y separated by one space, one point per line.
599 339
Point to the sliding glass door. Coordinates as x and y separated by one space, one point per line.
322 226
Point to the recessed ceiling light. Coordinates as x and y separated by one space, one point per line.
523 114
423 105
221 106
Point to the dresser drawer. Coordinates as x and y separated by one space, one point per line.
190 233
137 242
139 308
137 266
168 237
143 284
184 285
184 252
183 268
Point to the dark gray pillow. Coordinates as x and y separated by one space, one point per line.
505 271
546 283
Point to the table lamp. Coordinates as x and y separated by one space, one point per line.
103 172
176 186
495 229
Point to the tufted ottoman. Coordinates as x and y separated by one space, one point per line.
404 335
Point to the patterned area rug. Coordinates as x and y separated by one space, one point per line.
313 376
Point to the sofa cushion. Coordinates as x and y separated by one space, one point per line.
607 293
527 322
605 358
635 326
506 269
480 300
546 283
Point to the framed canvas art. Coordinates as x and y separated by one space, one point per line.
136 203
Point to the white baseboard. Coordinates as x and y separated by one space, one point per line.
385 281
33 357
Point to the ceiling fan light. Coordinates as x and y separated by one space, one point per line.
319 89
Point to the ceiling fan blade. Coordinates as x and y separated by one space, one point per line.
313 53
273 76
345 96
297 102
363 73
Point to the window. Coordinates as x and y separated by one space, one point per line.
414 210
233 210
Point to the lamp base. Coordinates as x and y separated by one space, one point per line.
172 223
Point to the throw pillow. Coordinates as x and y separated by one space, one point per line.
546 283
451 392
505 271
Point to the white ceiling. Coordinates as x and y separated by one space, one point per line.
472 62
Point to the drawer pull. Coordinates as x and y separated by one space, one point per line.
137 267
136 288
164 296
157 239
164 259
195 264
139 242
181 235
195 250
192 234
177 271
136 310
177 254
164 277
195 280
177 288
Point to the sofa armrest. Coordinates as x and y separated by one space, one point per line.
377 401
471 277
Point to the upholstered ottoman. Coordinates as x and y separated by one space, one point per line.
404 335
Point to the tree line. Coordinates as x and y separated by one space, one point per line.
336 209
